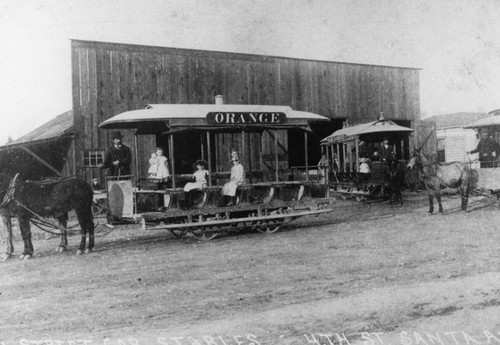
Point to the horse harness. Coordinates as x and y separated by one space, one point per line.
35 218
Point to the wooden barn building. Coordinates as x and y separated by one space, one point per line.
110 78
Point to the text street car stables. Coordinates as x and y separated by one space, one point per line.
266 197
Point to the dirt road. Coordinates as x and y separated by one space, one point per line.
362 275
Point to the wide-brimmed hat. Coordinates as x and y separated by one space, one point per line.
201 162
116 135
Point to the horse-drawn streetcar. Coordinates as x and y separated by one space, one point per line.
267 193
358 157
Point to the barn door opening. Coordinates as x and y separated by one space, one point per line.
320 130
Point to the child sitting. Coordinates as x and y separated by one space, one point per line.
364 169
200 177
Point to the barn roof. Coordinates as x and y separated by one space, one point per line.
216 54
59 126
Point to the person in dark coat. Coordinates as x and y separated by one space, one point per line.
488 149
118 157
385 150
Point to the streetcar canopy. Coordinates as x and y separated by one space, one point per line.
168 118
371 131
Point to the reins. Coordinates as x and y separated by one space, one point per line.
35 218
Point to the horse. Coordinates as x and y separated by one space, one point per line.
433 174
27 200
395 179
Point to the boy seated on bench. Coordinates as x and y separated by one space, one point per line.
237 178
200 178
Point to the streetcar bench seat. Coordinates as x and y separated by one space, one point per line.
258 193
150 200
289 191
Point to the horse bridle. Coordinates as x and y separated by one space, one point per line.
9 195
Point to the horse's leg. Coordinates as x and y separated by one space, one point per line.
85 219
438 198
90 228
24 224
464 194
7 222
63 221
400 196
430 194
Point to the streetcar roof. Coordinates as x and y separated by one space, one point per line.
156 116
490 121
374 129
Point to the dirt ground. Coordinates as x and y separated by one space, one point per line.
359 275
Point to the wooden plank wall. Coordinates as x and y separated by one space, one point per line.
111 78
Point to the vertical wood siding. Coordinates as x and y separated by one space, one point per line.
111 78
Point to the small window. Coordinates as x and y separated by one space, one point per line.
441 151
93 158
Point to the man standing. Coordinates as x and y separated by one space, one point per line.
488 150
118 157
385 150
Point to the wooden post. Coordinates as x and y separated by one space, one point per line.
202 147
217 160
261 159
344 152
209 156
73 150
349 153
243 146
136 153
172 157
356 142
338 154
306 155
243 154
276 153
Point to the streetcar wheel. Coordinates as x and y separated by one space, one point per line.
176 233
269 228
204 235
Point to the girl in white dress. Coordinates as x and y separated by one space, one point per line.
158 165
237 178
200 177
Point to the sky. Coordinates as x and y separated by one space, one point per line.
455 42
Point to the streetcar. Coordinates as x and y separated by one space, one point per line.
271 194
486 174
347 148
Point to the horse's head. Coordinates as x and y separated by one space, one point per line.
415 159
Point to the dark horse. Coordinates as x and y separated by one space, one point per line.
395 179
26 200
434 174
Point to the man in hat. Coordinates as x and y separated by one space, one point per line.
236 179
488 149
118 157
385 150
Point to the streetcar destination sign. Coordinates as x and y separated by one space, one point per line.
245 118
